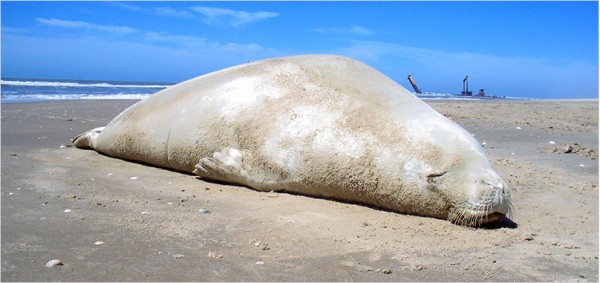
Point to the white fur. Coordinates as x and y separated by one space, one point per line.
317 125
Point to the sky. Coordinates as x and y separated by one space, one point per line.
513 49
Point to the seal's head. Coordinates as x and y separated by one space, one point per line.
476 196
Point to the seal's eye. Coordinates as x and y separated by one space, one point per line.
434 177
488 183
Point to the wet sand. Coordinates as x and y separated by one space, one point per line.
159 225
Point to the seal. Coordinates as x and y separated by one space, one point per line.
316 125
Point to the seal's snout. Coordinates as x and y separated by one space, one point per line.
488 202
497 195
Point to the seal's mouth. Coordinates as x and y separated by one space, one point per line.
476 219
492 218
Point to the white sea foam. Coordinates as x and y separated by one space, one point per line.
47 97
77 84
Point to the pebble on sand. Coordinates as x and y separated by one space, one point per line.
98 243
384 270
214 255
54 262
67 210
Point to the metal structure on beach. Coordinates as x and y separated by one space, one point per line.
465 90
414 85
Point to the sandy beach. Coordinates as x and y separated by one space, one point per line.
111 220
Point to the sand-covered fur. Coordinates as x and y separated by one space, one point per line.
315 125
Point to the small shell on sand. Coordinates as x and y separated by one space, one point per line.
54 262
98 243
133 178
67 210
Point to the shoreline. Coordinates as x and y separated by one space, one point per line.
149 219
456 99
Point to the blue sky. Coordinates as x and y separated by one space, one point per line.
518 49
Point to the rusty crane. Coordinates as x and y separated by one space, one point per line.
414 85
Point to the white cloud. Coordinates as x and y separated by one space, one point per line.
80 24
233 18
170 12
62 23
357 30
361 30
181 40
10 29
184 42
127 6
161 11
210 15
198 43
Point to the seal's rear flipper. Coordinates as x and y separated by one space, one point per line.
87 139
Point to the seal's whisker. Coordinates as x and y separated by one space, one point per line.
510 208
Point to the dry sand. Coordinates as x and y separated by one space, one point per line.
151 223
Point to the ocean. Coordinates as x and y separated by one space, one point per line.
34 90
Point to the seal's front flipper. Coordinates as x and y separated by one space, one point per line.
87 139
225 166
